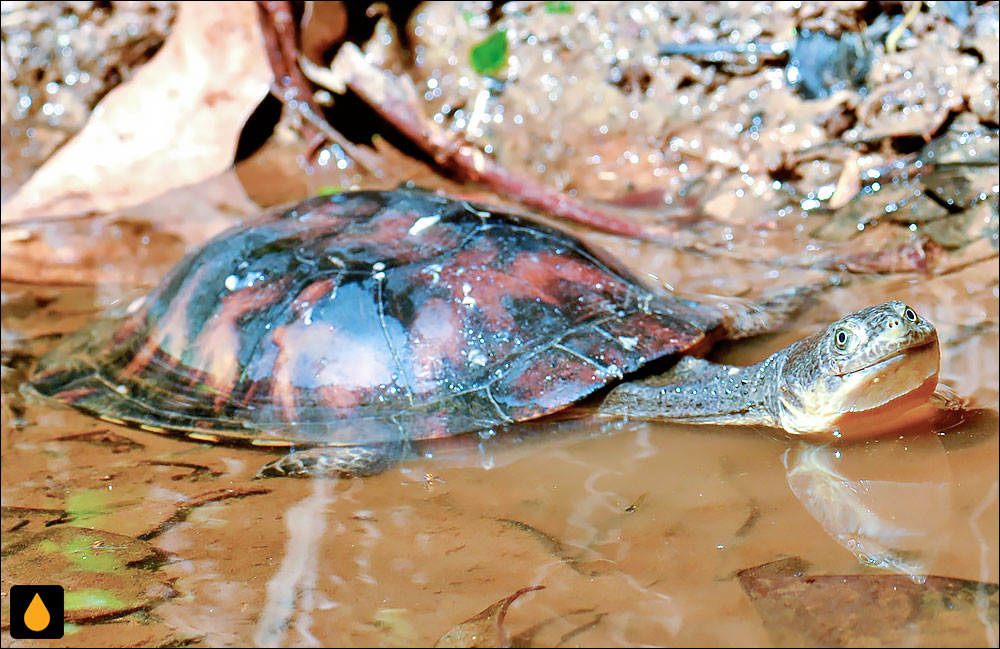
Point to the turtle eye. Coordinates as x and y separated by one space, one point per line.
842 339
910 314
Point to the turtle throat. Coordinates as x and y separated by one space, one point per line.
876 399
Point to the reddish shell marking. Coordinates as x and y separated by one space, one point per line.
218 345
470 279
169 334
314 292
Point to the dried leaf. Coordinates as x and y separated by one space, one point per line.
175 123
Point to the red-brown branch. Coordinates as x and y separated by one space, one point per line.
294 90
395 100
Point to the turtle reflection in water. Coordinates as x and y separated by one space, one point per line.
348 328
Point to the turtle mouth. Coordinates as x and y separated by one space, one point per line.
916 347
905 375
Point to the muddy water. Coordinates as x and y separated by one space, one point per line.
639 532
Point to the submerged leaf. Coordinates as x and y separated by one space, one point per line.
106 575
399 630
87 505
22 523
874 610
485 629
92 598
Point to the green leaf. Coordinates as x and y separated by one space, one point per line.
329 190
489 55
87 505
98 598
558 7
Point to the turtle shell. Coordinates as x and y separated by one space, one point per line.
368 317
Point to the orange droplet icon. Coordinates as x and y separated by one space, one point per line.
36 617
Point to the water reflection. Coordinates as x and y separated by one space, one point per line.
897 524
292 589
888 501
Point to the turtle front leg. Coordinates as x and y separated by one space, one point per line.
335 462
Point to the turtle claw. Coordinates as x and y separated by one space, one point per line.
333 462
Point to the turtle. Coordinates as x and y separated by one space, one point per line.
350 327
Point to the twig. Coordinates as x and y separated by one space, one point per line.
395 99
294 91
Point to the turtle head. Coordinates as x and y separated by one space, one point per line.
866 374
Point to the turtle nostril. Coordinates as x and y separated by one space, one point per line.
893 323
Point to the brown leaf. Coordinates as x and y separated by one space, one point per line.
870 610
175 123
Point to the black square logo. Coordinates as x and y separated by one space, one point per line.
36 612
